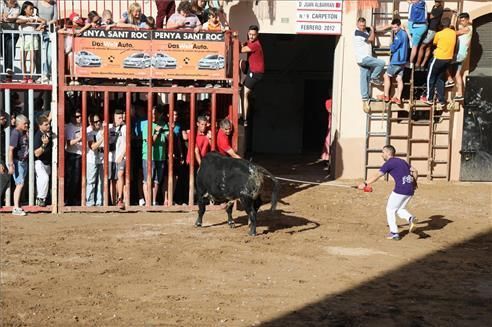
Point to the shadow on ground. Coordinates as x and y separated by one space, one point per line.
451 287
274 221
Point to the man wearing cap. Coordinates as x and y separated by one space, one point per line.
405 177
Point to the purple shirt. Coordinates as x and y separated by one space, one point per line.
400 171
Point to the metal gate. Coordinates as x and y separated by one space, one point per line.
223 103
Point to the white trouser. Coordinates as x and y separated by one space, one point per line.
42 178
396 206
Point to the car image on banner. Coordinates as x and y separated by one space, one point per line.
212 61
161 60
87 59
137 60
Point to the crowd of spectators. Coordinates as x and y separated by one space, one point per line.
427 32
27 28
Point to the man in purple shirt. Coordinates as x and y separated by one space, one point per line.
405 177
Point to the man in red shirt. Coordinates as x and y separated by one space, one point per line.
256 66
223 142
202 142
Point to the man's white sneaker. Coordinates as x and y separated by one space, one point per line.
413 224
141 202
18 212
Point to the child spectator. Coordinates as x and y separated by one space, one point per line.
464 34
399 57
28 43
223 139
213 23
219 5
198 8
445 42
47 10
370 67
158 170
42 163
93 19
9 12
107 18
150 24
18 159
165 9
426 47
95 142
417 25
77 27
184 18
133 18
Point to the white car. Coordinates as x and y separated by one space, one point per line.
162 60
137 60
87 59
212 61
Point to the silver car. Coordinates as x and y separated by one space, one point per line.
137 60
87 59
212 61
162 60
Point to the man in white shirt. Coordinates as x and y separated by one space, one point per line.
117 157
370 67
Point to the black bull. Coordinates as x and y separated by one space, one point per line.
223 179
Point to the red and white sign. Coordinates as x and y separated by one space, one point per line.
319 17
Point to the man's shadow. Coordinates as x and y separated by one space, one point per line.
274 221
435 222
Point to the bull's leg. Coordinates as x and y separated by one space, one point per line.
248 204
201 211
229 207
257 204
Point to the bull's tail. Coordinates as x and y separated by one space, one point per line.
276 186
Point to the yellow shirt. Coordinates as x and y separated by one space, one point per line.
445 42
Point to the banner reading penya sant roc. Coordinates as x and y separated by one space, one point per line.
149 54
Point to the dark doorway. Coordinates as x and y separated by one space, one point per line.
315 125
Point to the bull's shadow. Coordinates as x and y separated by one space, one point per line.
274 221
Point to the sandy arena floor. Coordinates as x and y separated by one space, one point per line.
321 260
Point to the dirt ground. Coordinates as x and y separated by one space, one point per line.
320 260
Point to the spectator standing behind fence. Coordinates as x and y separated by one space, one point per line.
73 159
445 42
117 157
18 159
9 12
202 142
223 139
464 34
28 43
417 25
426 47
133 18
370 67
4 173
184 19
399 57
198 8
42 163
255 68
47 10
95 141
107 19
158 170
165 9
219 5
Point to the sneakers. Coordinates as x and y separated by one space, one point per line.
412 224
18 212
393 236
376 82
459 98
396 100
44 80
383 98
141 202
41 202
449 84
426 101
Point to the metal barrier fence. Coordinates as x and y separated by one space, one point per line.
224 102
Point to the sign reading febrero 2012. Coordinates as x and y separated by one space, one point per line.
149 54
319 17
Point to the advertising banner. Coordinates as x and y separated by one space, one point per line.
146 54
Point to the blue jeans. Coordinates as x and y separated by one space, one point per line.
370 68
94 184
